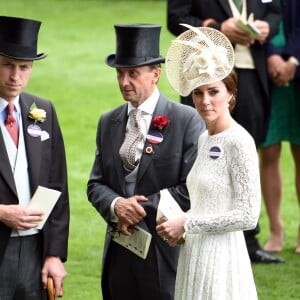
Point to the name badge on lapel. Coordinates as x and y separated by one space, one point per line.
215 152
34 130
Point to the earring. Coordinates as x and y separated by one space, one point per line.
229 100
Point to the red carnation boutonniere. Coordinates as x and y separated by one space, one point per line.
154 135
160 122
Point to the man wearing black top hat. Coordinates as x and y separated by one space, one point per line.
32 154
125 189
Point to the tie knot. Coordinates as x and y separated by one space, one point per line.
10 108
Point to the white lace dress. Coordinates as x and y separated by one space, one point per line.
224 188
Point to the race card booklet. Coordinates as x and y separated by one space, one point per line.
249 27
138 243
44 199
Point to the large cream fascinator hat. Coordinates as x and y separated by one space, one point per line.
198 56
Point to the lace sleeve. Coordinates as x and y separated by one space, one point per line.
243 169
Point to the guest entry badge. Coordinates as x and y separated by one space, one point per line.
215 152
34 130
154 136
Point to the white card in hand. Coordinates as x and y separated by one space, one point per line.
168 206
44 199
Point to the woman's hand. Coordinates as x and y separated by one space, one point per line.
171 231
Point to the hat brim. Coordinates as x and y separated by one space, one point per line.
186 69
111 61
38 57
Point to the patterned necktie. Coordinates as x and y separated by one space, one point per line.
11 124
132 138
238 4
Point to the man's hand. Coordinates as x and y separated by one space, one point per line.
54 268
20 218
208 22
234 33
264 29
129 212
238 36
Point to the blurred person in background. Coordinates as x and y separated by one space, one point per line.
283 65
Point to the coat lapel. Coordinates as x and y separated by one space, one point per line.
117 133
251 7
33 144
225 5
5 168
161 109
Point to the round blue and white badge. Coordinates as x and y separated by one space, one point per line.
34 130
154 136
215 152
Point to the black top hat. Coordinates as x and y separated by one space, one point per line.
137 45
18 38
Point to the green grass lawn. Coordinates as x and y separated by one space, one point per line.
78 35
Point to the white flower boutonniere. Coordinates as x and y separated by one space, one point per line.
37 114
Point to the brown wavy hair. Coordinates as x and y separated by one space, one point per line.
231 84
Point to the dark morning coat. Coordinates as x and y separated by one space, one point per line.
166 168
46 167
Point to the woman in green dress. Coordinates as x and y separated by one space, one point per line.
283 61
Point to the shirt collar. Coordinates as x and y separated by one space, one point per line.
16 102
148 106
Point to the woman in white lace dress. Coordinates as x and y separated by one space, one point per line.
224 184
